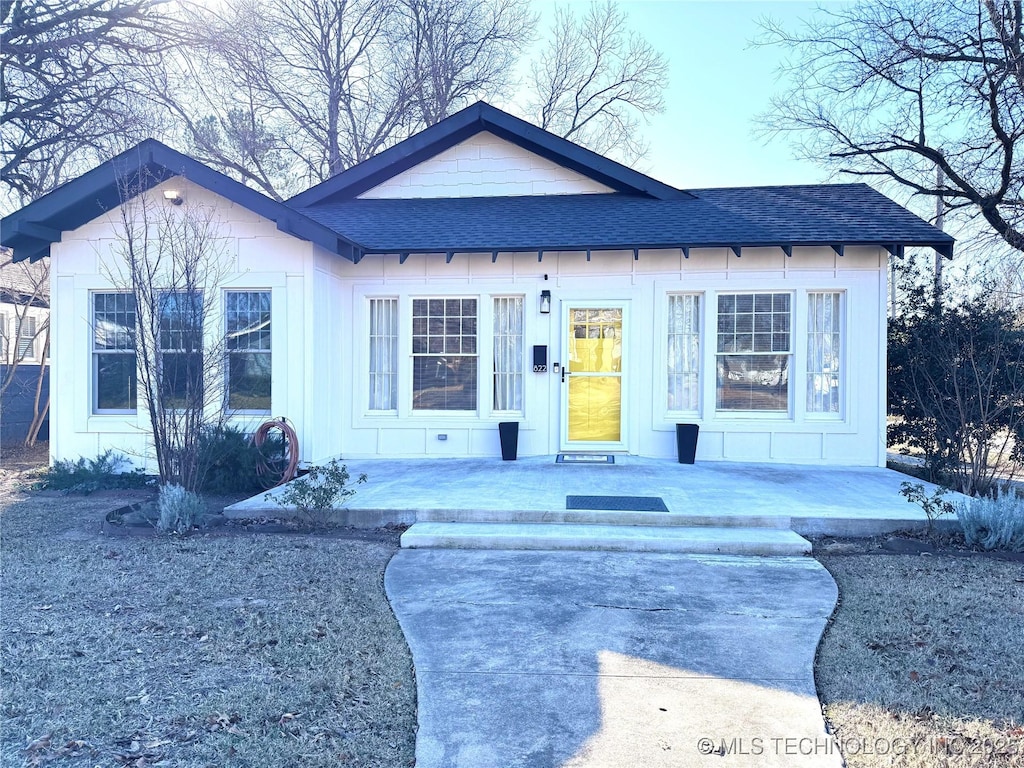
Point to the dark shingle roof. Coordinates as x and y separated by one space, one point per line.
846 214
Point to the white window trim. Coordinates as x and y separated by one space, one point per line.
514 412
245 412
94 409
796 363
484 414
366 347
674 414
844 367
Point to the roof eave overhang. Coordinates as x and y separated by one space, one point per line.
31 231
945 248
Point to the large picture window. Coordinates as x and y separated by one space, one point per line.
508 353
383 354
247 314
823 352
683 352
444 349
115 384
754 352
182 373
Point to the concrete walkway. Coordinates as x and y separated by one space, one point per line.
612 659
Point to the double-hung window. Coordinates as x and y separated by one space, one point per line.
182 374
247 314
444 354
754 352
824 338
683 352
115 383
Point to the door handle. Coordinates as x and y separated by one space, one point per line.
563 374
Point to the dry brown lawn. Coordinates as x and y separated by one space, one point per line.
923 663
223 650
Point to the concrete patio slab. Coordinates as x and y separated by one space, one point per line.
544 659
809 499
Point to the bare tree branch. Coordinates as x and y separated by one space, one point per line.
893 89
70 85
597 80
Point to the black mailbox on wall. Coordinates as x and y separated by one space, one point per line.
540 358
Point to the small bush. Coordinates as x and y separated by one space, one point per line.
993 523
934 506
316 494
230 461
179 509
105 472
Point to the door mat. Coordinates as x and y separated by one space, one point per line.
619 503
584 458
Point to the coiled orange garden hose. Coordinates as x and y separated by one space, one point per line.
272 470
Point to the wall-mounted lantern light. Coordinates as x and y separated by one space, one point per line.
545 302
173 197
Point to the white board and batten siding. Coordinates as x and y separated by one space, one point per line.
320 331
257 256
854 436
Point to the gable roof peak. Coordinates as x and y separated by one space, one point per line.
477 118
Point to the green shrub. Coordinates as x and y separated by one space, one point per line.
230 460
179 509
934 506
993 522
314 495
107 471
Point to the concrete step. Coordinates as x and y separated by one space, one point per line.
612 538
599 517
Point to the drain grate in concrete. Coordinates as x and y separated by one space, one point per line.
618 503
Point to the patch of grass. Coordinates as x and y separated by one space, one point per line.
242 650
921 665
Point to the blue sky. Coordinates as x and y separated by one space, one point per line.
718 83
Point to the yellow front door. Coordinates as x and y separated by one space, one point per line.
594 377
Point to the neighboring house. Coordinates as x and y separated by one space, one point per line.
24 313
485 270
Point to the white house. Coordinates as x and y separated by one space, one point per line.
484 271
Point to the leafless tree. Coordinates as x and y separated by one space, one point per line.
463 50
596 80
891 90
70 86
316 86
172 263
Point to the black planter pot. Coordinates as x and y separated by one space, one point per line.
508 431
686 442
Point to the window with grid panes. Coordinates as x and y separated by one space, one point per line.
182 373
115 384
754 352
444 352
247 315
